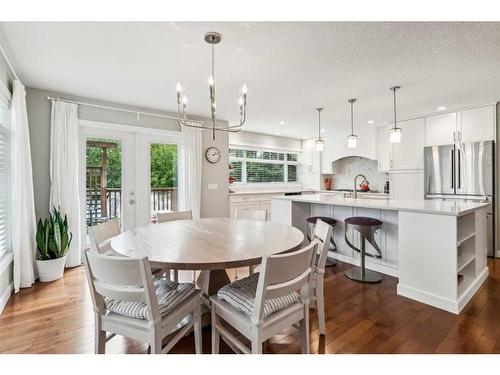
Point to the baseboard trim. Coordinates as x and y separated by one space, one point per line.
428 298
453 306
4 298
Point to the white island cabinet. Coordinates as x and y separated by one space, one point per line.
437 249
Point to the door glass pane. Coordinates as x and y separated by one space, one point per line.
163 176
103 180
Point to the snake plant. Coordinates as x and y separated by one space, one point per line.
53 237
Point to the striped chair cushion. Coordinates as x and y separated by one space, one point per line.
169 294
241 295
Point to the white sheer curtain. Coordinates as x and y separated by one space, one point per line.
64 188
23 203
192 156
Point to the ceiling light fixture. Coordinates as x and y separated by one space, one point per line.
395 132
352 139
442 108
371 122
282 122
211 38
320 144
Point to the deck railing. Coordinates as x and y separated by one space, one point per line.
162 199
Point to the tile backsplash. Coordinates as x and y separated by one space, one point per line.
344 170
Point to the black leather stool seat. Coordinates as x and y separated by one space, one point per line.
363 221
328 220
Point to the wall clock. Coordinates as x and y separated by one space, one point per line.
212 154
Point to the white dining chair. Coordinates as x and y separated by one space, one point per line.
100 234
322 235
266 303
242 213
163 217
128 302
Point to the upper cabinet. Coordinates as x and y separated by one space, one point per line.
407 155
440 130
477 124
384 149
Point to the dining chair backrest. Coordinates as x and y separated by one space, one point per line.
260 215
322 234
283 274
174 215
100 233
120 278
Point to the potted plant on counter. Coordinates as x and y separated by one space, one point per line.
53 240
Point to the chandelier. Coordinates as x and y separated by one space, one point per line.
211 38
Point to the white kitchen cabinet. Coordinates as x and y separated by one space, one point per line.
471 125
440 129
327 156
409 154
407 185
477 124
384 149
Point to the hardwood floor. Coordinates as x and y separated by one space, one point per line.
361 318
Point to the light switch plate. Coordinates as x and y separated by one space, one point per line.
213 186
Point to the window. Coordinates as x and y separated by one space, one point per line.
262 166
4 175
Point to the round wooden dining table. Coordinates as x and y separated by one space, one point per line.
209 245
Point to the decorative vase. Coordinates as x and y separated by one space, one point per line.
50 270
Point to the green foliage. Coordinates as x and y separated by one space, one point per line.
53 237
163 165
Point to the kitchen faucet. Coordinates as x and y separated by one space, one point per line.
354 192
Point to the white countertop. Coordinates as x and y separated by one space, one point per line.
454 208
277 191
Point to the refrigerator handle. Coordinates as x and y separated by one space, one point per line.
459 168
452 169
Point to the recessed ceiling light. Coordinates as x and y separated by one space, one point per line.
371 122
442 108
282 122
277 133
322 130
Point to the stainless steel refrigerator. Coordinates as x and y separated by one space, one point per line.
463 171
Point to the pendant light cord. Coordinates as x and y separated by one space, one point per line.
394 90
352 121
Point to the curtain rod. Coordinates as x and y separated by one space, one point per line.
138 113
8 63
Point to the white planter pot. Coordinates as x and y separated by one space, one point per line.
50 270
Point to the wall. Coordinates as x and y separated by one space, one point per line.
265 141
6 285
214 202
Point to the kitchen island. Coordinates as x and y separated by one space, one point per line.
437 249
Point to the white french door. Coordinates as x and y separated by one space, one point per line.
128 173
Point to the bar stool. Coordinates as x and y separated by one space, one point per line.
366 226
311 222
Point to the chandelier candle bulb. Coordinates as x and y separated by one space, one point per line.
211 81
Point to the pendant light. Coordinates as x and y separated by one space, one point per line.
320 144
395 132
352 139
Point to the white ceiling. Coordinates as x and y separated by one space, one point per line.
290 68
